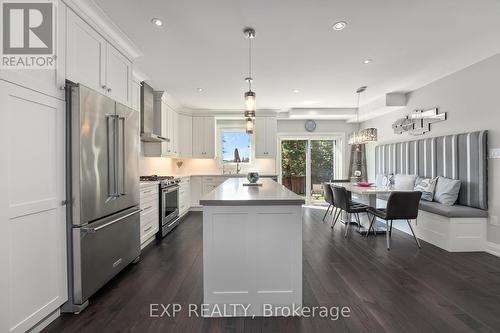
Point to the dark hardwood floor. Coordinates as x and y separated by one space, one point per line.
404 290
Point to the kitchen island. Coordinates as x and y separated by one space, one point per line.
252 249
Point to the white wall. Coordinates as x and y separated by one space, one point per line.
471 99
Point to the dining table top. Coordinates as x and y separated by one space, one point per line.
355 188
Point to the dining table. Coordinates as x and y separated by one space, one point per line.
368 195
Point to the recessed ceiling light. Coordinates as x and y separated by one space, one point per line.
367 61
339 25
199 89
157 22
296 91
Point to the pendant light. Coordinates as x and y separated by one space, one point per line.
366 135
250 99
249 125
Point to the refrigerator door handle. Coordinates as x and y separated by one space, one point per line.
92 230
123 150
111 134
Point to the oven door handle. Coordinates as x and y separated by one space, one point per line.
171 189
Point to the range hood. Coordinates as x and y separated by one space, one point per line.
149 133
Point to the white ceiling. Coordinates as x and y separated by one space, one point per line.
202 45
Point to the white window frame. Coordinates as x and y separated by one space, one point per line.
232 128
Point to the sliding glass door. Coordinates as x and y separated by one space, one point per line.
322 167
294 165
307 162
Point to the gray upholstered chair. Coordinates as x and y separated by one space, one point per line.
342 200
327 191
401 205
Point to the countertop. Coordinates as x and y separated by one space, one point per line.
227 175
233 193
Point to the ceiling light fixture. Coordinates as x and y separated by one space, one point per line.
366 135
199 89
157 22
339 25
296 91
250 99
367 61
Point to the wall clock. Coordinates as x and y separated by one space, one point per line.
310 125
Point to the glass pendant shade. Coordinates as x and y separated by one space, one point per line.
250 102
249 125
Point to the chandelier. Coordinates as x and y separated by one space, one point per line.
250 99
366 135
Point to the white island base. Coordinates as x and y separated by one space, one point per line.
252 255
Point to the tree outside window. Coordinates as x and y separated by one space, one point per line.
232 140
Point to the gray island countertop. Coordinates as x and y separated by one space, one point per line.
233 193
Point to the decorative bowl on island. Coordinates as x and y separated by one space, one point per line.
253 177
364 184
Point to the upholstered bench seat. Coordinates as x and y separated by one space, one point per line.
455 211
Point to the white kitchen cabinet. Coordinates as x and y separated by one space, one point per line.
33 269
196 190
150 221
203 137
118 76
85 54
265 137
184 137
184 195
175 133
95 63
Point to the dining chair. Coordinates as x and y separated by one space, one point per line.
342 200
327 191
401 205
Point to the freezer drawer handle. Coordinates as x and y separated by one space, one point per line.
92 230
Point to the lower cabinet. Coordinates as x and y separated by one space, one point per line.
33 268
196 189
150 216
184 195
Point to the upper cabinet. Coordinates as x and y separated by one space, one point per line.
265 137
95 63
185 139
203 137
118 76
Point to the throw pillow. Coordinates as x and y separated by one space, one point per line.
404 182
447 191
426 186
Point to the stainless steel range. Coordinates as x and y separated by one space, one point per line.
169 202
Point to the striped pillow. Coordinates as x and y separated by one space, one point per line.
427 186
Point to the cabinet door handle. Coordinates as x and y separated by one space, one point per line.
148 228
148 207
103 87
147 191
109 89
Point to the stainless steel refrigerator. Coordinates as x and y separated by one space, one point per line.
103 187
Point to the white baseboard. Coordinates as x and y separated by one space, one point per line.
492 248
45 322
